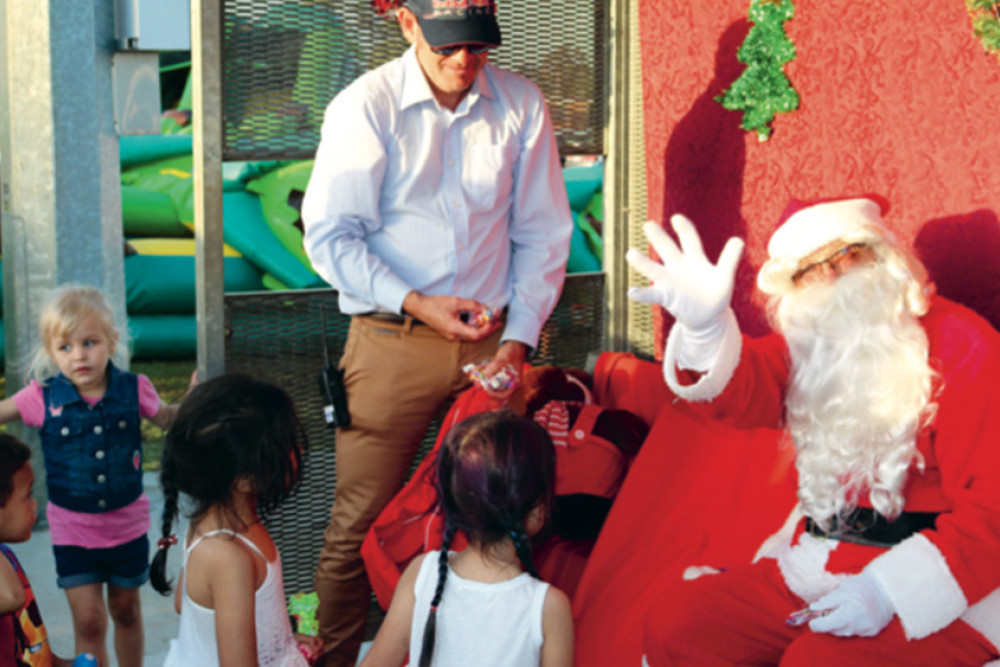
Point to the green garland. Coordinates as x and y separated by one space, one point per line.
763 90
985 16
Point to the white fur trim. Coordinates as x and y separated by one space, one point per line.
645 662
984 616
811 228
721 357
782 538
915 576
803 567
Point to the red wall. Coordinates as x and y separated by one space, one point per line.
897 98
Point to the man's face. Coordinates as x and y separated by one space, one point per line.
450 76
830 261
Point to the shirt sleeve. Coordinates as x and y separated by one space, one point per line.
149 400
540 228
341 204
31 404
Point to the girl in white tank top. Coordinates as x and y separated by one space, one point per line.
236 452
484 605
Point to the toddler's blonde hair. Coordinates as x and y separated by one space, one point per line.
64 309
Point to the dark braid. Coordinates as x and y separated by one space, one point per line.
158 568
523 548
430 628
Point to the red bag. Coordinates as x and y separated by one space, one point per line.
412 523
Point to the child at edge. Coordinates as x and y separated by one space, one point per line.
23 640
495 479
88 412
236 451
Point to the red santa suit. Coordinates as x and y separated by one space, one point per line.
943 578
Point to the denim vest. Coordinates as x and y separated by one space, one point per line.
93 454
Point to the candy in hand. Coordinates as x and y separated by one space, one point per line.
502 380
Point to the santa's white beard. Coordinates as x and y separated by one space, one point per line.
859 393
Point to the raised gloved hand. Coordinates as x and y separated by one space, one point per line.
686 284
858 607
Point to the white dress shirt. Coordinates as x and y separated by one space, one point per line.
408 195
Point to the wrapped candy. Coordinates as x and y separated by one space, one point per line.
502 380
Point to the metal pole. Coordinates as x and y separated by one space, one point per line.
206 68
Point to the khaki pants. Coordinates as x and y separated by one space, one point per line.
397 375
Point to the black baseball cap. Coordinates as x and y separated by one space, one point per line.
448 22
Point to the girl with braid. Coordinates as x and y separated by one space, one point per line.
236 451
484 605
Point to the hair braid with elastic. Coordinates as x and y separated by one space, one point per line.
430 628
523 548
158 568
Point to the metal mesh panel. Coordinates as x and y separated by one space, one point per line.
640 315
283 61
278 336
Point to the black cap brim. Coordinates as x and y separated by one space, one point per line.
473 29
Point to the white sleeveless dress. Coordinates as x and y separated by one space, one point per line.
196 643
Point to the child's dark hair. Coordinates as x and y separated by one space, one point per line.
13 455
228 428
493 469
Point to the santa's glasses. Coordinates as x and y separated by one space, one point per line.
835 264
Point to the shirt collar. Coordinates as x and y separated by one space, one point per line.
63 392
416 90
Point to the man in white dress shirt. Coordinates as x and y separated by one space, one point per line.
436 195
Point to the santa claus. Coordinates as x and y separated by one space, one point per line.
892 555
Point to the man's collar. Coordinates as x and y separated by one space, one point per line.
417 90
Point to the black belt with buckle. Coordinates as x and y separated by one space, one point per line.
868 527
395 318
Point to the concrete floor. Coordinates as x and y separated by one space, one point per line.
159 618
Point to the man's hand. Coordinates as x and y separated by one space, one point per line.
858 607
686 284
444 315
511 353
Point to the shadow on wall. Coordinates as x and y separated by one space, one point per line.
703 173
960 253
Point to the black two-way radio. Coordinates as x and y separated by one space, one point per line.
331 386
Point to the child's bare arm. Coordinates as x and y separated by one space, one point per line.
8 410
164 417
11 589
392 643
232 585
557 630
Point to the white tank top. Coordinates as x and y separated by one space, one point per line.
196 642
481 624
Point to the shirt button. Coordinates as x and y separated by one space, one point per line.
122 424
98 430
102 479
579 434
99 454
102 503
65 430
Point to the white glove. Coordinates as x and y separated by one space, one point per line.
858 607
686 284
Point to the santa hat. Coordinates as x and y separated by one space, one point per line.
805 227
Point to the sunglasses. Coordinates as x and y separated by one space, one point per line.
473 49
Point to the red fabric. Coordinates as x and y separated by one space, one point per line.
697 494
897 98
412 522
585 462
715 609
